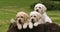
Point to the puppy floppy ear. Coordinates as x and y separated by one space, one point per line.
26 17
39 16
43 9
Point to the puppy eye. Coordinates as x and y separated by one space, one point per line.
21 16
17 17
36 7
31 16
34 16
39 7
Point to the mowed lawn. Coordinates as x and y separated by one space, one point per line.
9 8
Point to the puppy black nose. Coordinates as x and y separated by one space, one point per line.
37 10
32 20
19 21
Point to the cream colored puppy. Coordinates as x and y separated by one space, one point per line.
42 10
36 18
22 20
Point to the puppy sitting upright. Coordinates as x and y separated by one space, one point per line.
22 20
36 18
42 10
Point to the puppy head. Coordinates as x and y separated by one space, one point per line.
35 16
21 17
40 8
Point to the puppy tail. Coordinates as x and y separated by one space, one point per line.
12 20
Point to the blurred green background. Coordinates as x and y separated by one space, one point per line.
9 8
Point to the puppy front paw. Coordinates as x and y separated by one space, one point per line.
25 25
19 26
35 24
30 25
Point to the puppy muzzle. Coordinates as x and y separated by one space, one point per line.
19 21
32 20
37 10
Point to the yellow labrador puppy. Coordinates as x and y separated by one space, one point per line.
36 19
22 20
42 10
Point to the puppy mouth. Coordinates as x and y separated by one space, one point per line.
20 21
37 10
32 20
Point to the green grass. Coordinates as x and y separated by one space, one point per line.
9 8
54 15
